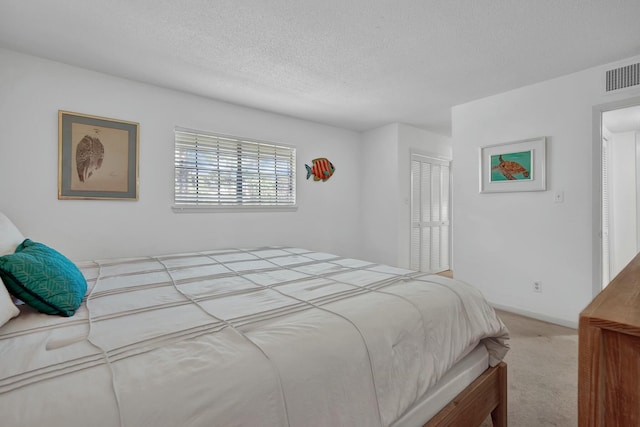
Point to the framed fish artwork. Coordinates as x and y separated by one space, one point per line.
514 166
97 157
321 169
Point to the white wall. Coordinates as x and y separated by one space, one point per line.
505 242
379 198
32 90
386 187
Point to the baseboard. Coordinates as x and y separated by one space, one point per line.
537 316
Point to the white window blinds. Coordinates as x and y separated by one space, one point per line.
222 171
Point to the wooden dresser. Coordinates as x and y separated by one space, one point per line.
609 354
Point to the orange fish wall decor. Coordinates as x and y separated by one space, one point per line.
321 169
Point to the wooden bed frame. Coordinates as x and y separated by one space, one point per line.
486 395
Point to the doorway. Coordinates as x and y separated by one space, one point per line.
430 214
617 152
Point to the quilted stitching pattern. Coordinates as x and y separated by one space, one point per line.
43 278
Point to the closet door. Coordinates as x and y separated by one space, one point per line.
430 213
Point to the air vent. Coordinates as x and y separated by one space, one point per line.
623 77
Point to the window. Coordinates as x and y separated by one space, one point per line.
222 171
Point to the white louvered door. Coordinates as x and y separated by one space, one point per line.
430 215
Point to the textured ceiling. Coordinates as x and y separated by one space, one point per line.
357 64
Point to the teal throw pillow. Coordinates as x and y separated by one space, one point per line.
43 278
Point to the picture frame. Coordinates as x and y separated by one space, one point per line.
514 166
97 157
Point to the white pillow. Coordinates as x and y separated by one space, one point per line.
10 236
8 309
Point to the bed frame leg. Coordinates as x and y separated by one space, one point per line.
499 414
487 394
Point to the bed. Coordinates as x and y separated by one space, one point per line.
273 336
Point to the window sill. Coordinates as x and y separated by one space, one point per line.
207 209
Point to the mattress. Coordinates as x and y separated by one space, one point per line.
449 386
262 337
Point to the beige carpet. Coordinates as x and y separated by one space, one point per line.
542 373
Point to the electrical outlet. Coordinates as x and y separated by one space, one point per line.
537 287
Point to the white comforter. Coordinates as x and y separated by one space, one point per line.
269 337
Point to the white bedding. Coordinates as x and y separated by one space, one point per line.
446 389
267 337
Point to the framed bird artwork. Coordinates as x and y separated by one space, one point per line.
97 157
